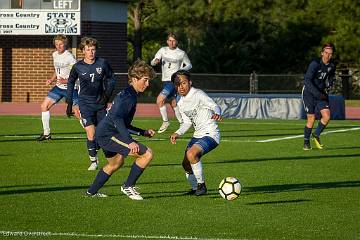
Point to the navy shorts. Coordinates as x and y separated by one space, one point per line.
206 143
168 90
312 104
56 94
111 147
91 114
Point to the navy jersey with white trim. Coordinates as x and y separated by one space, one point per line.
95 79
319 77
120 115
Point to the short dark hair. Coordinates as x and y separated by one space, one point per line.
328 45
175 77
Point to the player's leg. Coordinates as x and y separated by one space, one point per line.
160 101
176 110
91 146
189 174
143 159
196 149
54 95
325 118
115 161
309 106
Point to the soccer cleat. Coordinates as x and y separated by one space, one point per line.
43 137
201 189
131 192
190 192
97 195
317 141
94 165
307 146
164 126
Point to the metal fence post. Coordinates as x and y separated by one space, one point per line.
253 83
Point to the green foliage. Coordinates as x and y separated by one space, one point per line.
239 36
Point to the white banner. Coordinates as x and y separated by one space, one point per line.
40 22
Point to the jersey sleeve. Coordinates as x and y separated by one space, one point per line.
309 77
158 55
186 64
71 83
208 102
110 79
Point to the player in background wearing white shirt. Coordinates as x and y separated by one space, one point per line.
200 111
172 59
63 61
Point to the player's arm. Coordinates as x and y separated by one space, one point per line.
211 104
70 89
186 64
52 79
157 58
331 78
184 127
110 81
141 132
309 76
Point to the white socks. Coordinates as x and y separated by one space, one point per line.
164 113
198 172
45 118
178 114
192 180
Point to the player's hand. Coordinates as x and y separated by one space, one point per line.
104 99
157 61
48 82
173 138
149 133
324 97
216 117
134 148
62 81
69 111
76 111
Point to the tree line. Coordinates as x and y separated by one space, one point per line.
241 36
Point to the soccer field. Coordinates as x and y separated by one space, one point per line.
287 193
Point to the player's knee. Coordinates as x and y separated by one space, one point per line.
148 155
191 155
160 101
187 166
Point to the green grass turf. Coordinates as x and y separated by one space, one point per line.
287 193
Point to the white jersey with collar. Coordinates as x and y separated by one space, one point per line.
63 64
196 109
172 60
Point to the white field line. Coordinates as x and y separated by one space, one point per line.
300 136
185 139
26 234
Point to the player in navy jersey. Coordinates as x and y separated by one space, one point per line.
97 81
113 134
63 61
318 80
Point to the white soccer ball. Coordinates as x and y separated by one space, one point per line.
230 188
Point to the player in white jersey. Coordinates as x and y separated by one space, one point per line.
200 111
63 61
172 59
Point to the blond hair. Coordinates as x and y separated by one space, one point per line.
140 69
61 37
88 41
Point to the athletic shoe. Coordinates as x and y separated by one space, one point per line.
164 126
190 192
131 192
307 146
96 195
43 137
317 141
201 189
94 165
